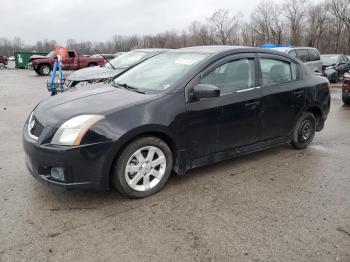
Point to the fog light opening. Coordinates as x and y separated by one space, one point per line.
57 173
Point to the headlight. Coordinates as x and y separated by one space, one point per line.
72 131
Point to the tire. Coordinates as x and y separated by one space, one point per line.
346 101
133 183
44 70
304 131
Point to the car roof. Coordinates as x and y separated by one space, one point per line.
212 49
287 49
150 50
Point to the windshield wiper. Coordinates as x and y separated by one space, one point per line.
131 88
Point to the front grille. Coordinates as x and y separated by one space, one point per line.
36 127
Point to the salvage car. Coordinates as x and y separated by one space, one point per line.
176 111
335 66
110 69
43 65
309 55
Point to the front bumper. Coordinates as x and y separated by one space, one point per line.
85 167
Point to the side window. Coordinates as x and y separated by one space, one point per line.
71 54
314 55
232 76
277 71
303 55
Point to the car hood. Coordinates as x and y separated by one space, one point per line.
98 99
95 72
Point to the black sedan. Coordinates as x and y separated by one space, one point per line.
176 111
112 68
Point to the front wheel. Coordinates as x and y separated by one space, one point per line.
44 70
304 131
143 167
346 100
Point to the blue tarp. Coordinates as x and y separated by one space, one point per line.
269 45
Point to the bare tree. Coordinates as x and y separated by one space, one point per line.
224 26
295 14
268 23
316 24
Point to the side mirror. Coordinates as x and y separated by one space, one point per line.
205 91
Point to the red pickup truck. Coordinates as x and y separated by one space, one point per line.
3 60
43 64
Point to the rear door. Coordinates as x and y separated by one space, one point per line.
283 95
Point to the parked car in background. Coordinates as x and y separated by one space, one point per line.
44 64
88 76
309 55
3 60
173 112
335 66
346 89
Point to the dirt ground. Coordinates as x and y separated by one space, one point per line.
276 205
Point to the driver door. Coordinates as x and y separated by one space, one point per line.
232 119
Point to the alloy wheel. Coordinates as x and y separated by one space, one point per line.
145 168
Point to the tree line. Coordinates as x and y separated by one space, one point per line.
324 25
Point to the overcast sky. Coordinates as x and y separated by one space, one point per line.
99 20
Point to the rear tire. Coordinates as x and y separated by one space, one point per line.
143 167
304 131
44 70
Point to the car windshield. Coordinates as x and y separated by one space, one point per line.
330 59
126 60
51 54
160 72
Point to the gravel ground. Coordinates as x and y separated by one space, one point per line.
276 205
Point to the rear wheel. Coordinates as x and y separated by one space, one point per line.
304 131
44 70
143 167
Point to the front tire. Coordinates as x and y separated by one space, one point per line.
44 70
143 167
346 100
304 131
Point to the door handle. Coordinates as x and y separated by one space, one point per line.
298 93
252 105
